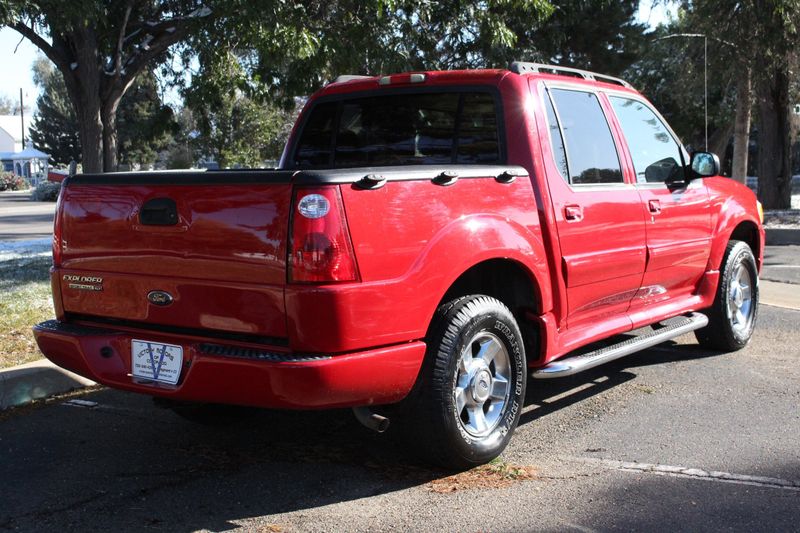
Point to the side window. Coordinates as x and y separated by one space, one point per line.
591 154
556 141
656 156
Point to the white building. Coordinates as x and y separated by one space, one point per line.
29 163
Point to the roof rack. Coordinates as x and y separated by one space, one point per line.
522 67
350 77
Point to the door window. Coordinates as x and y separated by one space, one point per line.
656 156
591 154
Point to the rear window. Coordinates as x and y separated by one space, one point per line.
405 129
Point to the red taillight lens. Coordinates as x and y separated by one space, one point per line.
58 248
320 250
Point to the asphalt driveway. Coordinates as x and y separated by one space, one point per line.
671 439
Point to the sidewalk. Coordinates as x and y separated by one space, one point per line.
25 383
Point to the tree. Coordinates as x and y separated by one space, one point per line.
777 23
602 36
100 47
317 40
7 105
144 124
10 105
54 129
310 43
670 71
287 48
757 62
232 127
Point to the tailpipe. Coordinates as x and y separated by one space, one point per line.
370 419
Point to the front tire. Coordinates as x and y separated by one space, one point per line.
470 393
732 317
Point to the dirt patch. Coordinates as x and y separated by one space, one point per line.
495 475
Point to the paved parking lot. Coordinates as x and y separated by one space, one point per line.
673 438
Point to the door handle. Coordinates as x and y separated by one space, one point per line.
654 206
573 212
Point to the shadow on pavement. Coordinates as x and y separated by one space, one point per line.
125 462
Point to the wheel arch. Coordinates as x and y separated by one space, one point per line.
511 283
747 231
743 229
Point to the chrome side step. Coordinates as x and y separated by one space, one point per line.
572 365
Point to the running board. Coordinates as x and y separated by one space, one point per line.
572 365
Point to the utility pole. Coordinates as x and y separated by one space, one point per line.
22 117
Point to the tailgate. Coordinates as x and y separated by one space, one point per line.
211 248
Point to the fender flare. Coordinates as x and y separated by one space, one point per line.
471 240
731 215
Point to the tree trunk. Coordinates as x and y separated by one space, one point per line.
109 119
774 141
718 144
85 82
91 134
741 131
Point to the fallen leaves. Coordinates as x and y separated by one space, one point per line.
495 475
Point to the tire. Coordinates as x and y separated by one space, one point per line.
469 396
732 317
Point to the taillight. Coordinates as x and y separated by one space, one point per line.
320 250
58 222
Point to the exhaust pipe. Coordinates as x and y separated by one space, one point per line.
372 420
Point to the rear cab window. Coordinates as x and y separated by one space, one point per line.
396 128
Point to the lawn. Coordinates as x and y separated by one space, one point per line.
25 300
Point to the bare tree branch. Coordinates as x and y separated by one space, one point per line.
49 50
134 66
121 40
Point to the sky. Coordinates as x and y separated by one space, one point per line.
17 65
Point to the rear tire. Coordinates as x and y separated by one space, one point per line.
732 317
469 396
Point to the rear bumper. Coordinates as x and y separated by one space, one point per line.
241 375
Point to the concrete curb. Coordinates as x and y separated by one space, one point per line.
25 383
782 236
778 294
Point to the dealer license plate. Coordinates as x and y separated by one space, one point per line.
156 361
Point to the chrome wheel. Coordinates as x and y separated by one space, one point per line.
740 299
482 384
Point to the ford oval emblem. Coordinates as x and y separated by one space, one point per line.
161 298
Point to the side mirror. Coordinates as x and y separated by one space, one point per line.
705 164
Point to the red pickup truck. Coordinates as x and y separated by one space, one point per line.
430 241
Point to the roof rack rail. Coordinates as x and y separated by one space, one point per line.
350 77
522 67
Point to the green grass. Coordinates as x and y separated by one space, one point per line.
25 300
